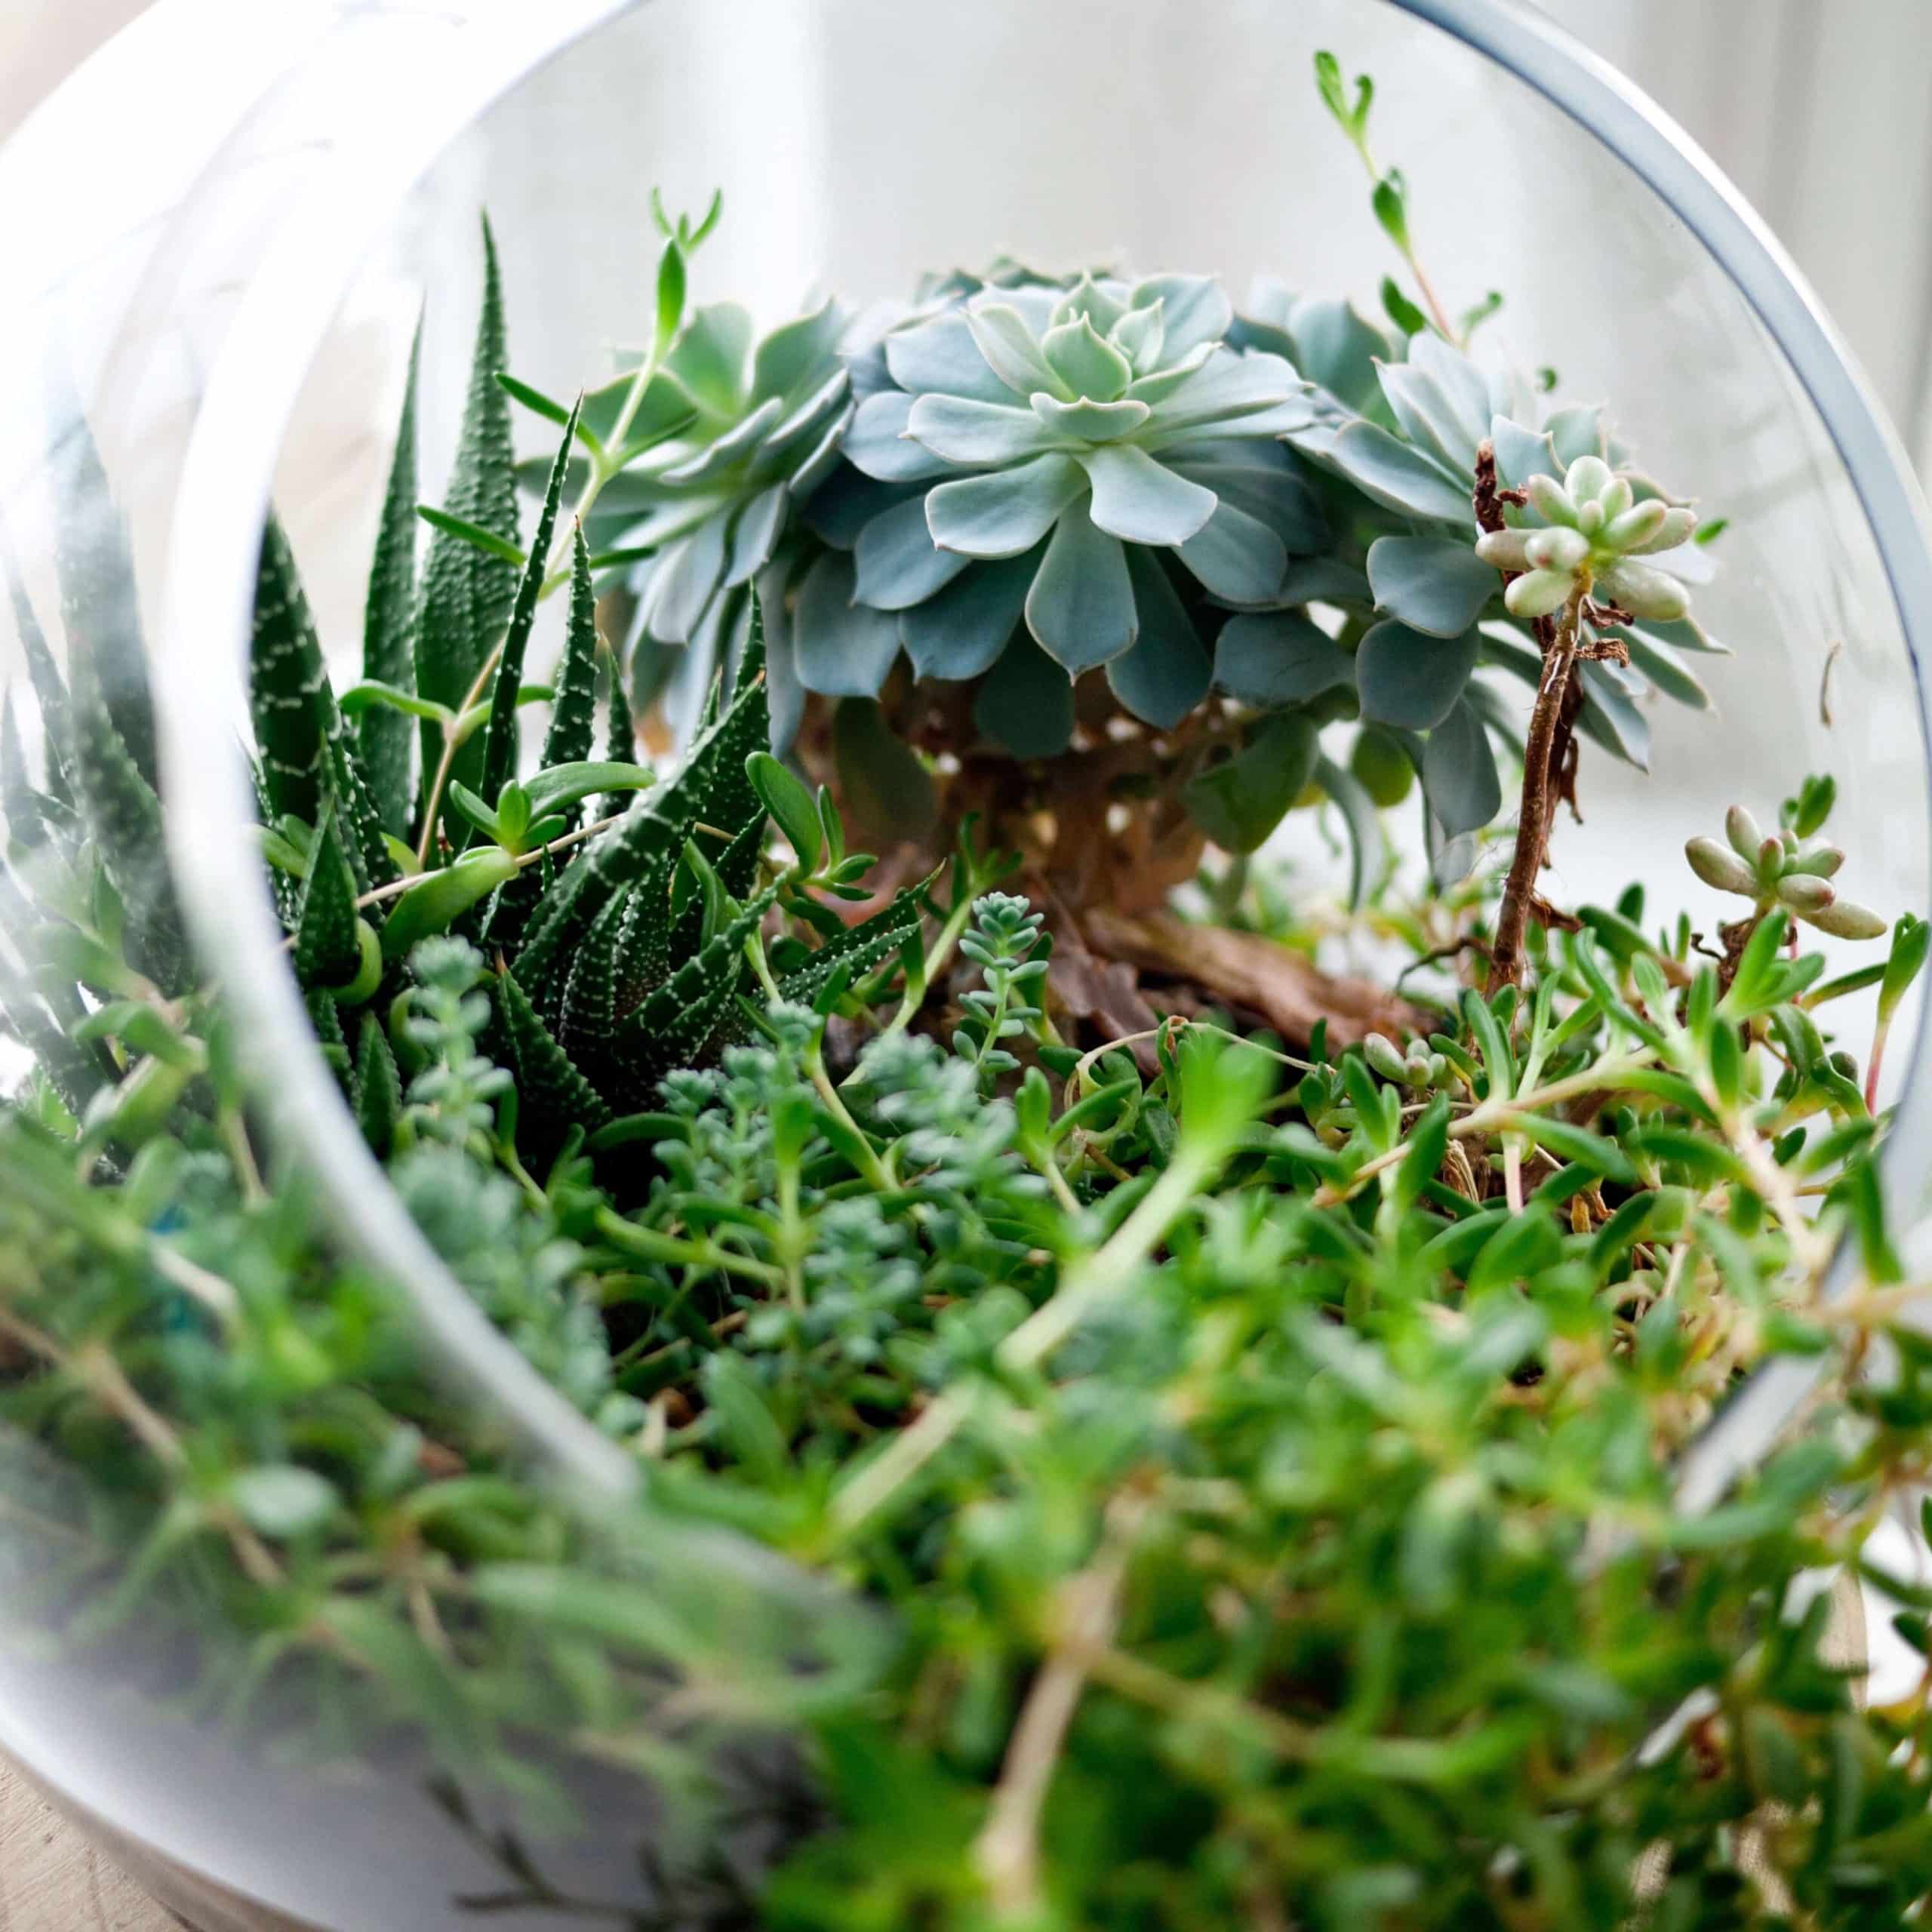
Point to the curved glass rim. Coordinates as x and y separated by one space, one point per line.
374 160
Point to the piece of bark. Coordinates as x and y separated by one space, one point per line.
1250 970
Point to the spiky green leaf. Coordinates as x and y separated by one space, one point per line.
466 594
500 737
326 952
554 1094
378 1087
384 735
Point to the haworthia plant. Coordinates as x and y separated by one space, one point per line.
467 591
388 655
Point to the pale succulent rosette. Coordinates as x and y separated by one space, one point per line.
1592 532
751 428
1070 472
1781 868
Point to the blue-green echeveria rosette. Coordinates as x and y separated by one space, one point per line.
1397 428
1074 469
741 432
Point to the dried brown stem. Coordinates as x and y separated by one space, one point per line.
1542 762
1549 752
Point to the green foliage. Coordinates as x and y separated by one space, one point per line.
1167 1482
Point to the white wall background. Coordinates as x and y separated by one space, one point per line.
1821 111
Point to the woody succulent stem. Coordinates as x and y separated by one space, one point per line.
1541 756
1532 821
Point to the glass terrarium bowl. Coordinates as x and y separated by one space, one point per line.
223 290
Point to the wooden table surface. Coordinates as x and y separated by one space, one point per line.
52 1880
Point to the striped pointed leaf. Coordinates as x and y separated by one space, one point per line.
574 709
500 739
123 817
308 758
466 594
99 608
383 735
553 1093
326 952
590 993
378 1087
672 1024
856 951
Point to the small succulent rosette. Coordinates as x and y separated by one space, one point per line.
1593 534
1782 868
1046 480
740 432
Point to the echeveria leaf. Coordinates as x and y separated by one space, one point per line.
1459 772
1194 310
1011 349
1336 346
1362 822
1427 417
1088 422
1006 512
1576 431
964 431
877 443
1661 664
840 648
1433 584
1462 387
1521 453
1612 719
888 791
1026 704
1081 607
1274 496
1088 366
755 533
1236 556
1242 799
1167 673
1406 678
682 579
1142 501
942 355
960 632
1392 473
898 565
708 357
1274 657
796 350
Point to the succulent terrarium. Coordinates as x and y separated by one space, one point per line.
896 1177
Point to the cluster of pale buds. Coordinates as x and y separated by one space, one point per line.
1418 1067
1780 869
1593 528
